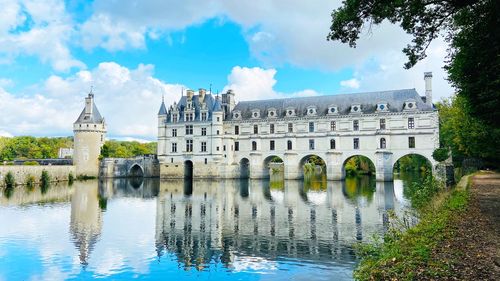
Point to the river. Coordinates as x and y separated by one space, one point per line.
217 230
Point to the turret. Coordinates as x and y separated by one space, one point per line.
89 134
428 87
162 127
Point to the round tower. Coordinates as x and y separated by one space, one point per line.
89 134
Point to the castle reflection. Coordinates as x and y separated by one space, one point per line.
218 221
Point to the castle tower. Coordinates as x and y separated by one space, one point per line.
428 87
162 128
89 132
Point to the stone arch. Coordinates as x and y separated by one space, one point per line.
268 165
136 171
244 168
318 168
370 169
188 169
427 162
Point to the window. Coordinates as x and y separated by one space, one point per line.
218 119
290 127
411 142
254 145
333 126
217 148
203 116
174 132
174 118
189 145
411 123
382 124
236 146
189 129
271 128
311 144
236 130
332 144
382 143
189 116
311 127
271 145
356 143
355 125
289 145
224 147
203 131
203 146
255 129
174 147
206 161
218 132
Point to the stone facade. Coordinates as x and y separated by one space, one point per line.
89 136
141 166
216 138
21 173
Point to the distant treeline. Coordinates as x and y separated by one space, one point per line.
27 147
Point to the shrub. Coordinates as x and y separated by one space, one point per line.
421 193
85 177
71 178
31 163
440 154
45 179
10 181
30 181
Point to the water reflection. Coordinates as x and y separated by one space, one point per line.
120 228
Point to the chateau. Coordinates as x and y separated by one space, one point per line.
207 136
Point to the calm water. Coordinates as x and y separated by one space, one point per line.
238 230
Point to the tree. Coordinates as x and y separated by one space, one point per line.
471 27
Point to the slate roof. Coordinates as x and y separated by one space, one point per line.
212 105
94 118
163 109
394 99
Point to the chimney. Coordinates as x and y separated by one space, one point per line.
89 104
201 93
428 87
189 94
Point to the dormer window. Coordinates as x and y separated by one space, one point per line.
311 110
410 105
236 114
333 109
356 108
271 113
174 118
255 113
382 106
290 112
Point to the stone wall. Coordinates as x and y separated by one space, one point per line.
56 173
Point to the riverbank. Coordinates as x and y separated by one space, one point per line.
456 238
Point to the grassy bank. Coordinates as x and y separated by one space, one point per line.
405 253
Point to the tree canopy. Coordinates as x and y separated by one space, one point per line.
472 29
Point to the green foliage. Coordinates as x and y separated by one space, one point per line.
472 29
71 178
85 177
124 149
276 159
467 136
31 163
440 154
9 180
30 181
412 163
45 180
26 147
359 165
406 252
421 193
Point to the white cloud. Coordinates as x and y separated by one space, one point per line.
351 83
127 98
257 83
47 37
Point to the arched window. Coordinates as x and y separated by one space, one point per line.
332 144
254 145
382 143
289 145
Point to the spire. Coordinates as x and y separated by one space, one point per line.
163 109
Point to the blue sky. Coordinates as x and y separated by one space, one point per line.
52 51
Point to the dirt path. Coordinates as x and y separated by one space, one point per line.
473 252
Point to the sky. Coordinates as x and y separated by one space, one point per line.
134 52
